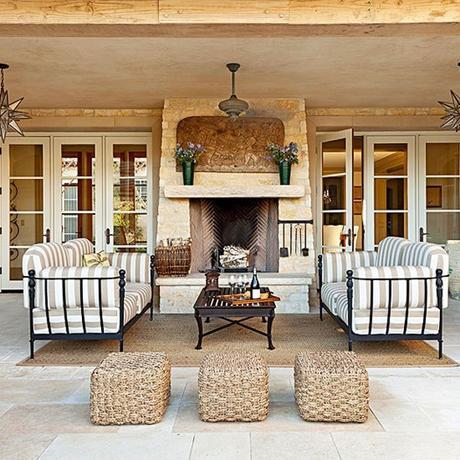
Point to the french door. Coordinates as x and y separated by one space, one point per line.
335 192
390 191
26 204
439 185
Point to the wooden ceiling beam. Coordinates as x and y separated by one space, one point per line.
151 12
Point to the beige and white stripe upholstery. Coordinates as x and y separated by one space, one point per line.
50 283
389 251
110 318
136 265
142 291
335 265
429 255
39 257
397 300
77 249
330 292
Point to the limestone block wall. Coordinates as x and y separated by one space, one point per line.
173 214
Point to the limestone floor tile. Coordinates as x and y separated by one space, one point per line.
397 446
114 446
4 407
283 416
293 446
21 391
444 418
11 371
48 419
281 388
398 416
24 447
221 446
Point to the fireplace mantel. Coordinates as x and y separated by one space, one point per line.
243 191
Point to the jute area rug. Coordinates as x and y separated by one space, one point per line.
177 334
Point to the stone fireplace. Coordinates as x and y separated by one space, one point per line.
249 223
236 206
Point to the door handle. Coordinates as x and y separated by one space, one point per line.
47 235
107 235
349 237
422 234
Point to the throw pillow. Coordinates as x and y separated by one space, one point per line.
94 260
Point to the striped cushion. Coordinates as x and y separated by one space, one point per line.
397 296
77 249
136 265
429 255
335 265
390 251
416 323
39 257
73 283
110 318
329 294
142 291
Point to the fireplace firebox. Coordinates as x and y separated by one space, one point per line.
249 223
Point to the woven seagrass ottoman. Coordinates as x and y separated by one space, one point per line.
233 387
331 387
130 388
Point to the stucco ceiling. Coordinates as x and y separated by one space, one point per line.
142 72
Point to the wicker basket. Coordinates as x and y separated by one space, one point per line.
233 387
173 260
331 387
130 388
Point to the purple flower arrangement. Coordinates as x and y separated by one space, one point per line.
190 153
287 154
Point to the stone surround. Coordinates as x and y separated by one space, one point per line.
294 203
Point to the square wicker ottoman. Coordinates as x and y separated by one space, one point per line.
233 387
130 388
331 387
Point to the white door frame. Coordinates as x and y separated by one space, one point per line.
58 142
110 141
346 134
370 141
423 140
6 283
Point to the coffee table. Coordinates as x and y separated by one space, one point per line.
208 305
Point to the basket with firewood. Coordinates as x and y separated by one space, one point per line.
173 257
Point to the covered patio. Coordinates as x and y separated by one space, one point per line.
330 145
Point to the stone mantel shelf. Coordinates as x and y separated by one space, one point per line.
270 279
251 191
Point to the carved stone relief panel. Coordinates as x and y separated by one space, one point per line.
232 145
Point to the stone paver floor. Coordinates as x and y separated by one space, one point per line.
44 413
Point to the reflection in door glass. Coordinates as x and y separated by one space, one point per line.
130 197
78 193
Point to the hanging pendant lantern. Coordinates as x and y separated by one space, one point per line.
451 119
9 115
233 106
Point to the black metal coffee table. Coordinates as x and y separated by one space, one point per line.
208 306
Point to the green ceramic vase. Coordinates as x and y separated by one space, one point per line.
188 169
285 173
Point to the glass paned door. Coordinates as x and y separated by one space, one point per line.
129 201
390 194
26 202
78 179
335 197
439 184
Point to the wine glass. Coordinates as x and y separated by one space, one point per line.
240 283
232 283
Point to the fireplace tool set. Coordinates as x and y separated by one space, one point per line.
294 240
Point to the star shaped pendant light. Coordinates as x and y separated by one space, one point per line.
9 115
452 117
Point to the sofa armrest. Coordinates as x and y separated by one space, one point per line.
138 266
333 266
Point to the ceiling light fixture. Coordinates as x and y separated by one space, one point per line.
233 106
9 115
452 116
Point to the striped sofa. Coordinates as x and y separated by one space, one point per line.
395 293
68 301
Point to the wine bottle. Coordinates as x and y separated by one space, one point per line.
255 286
